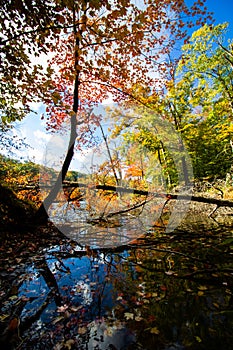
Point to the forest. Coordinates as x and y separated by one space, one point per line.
121 236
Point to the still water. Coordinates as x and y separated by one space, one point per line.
102 289
174 293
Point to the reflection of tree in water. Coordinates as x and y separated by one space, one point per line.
181 294
163 291
18 325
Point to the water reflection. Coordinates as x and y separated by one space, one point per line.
103 228
137 298
87 296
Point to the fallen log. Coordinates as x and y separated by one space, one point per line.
121 189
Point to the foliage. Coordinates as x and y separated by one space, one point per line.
10 141
23 37
197 102
207 126
113 45
23 178
108 47
98 48
13 210
163 291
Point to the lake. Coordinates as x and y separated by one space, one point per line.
165 291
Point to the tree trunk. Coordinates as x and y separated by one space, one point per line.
42 213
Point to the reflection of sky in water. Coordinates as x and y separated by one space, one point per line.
109 287
81 281
84 285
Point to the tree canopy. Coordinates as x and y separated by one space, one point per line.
113 43
125 50
197 101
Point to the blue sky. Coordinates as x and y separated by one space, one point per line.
223 12
34 129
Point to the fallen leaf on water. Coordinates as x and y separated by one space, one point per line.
3 317
76 308
57 319
202 288
154 330
82 330
146 301
129 316
200 293
198 339
169 273
163 288
68 344
14 324
138 318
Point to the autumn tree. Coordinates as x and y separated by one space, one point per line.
197 102
203 97
25 36
98 48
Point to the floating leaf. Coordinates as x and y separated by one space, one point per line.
57 319
202 288
169 273
154 330
129 316
3 317
163 288
198 339
68 344
200 293
138 318
14 324
82 330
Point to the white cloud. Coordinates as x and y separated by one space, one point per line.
41 136
36 106
35 155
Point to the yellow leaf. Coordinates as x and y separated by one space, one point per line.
129 316
154 330
68 344
198 339
82 330
202 288
138 318
3 317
